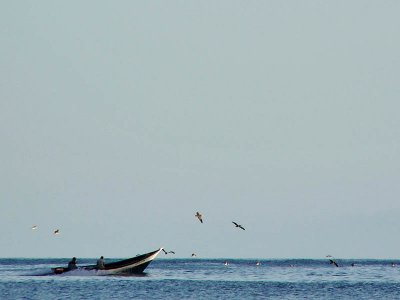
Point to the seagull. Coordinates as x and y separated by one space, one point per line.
165 252
57 231
34 227
238 225
194 255
199 216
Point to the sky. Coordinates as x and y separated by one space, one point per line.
120 120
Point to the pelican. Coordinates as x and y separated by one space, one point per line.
238 225
332 260
199 216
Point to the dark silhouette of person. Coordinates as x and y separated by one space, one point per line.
100 263
72 264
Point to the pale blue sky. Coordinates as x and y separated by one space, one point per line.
120 120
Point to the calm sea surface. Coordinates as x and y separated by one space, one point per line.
206 279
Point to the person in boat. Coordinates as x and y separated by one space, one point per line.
100 263
72 264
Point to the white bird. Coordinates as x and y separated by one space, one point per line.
34 227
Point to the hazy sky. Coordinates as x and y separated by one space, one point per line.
120 120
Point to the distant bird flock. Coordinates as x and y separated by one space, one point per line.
199 216
55 231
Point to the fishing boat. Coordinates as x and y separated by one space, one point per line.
134 265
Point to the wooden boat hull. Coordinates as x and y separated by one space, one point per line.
134 265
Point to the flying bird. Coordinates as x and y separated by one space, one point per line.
199 216
57 231
34 227
332 260
194 255
165 252
238 225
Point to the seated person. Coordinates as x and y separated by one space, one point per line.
100 263
72 264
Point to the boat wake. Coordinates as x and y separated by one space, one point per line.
81 273
77 272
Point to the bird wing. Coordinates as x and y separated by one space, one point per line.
331 261
242 227
235 223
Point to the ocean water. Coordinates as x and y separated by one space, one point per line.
206 279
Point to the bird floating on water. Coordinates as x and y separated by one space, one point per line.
199 216
34 227
238 225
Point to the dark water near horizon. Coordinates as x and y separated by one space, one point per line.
206 279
